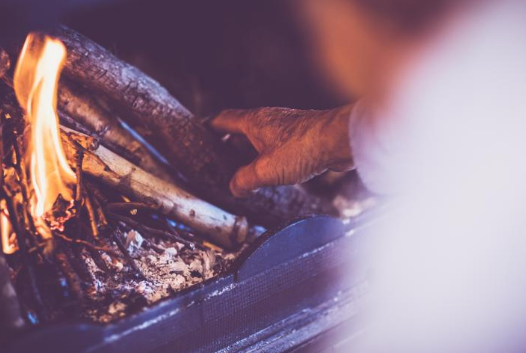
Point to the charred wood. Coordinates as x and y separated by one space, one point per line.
68 271
27 261
15 195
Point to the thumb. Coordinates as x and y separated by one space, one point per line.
233 121
251 177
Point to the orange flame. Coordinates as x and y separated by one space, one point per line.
9 242
36 83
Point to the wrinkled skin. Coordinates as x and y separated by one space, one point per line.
293 145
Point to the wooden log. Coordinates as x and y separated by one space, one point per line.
175 131
226 229
178 134
78 104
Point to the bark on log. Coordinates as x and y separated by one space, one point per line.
226 229
77 103
179 135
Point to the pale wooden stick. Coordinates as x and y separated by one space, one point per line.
225 228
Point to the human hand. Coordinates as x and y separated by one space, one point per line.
294 145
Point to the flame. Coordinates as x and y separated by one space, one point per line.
9 242
35 83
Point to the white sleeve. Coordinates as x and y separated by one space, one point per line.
376 143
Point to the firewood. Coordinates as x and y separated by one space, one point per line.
175 131
78 104
226 229
183 139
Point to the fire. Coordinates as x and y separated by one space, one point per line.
36 83
9 242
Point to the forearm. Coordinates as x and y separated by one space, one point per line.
355 136
380 142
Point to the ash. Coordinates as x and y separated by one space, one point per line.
121 291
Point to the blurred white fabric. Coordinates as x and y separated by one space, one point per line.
450 263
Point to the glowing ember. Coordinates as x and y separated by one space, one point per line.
35 82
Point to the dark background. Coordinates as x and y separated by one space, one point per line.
213 55
210 54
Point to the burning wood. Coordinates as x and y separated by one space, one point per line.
92 207
35 84
9 242
45 204
226 229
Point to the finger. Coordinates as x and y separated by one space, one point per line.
251 177
233 121
244 182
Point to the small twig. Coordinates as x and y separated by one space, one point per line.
74 255
91 215
103 221
88 244
186 235
96 192
37 247
151 245
1 154
127 256
174 230
152 231
67 270
134 224
78 195
20 231
20 167
99 261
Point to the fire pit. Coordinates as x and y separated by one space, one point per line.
118 230
283 291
